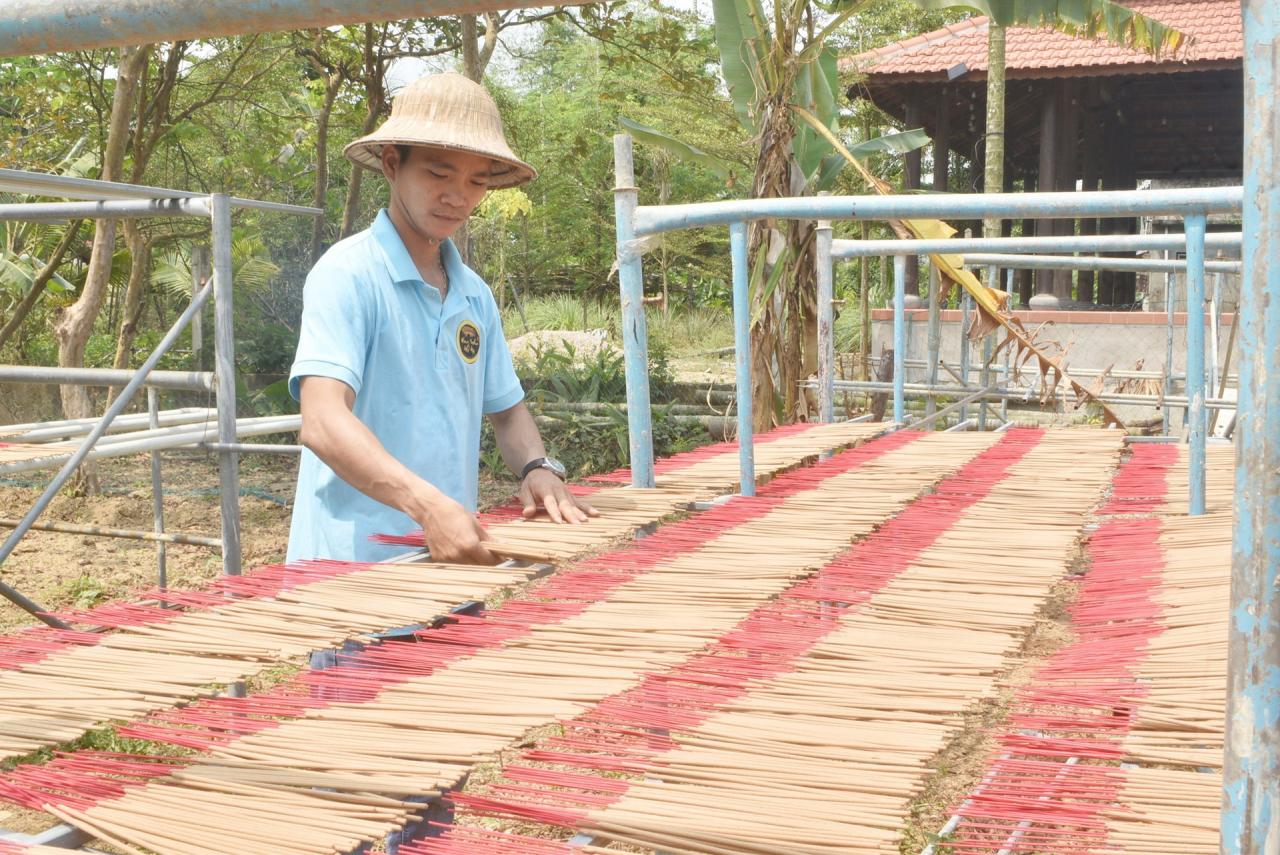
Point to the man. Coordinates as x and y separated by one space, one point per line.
402 351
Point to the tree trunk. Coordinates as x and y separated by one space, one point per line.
374 84
139 267
993 175
332 85
785 324
72 330
475 59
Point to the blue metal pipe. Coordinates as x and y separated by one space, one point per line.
1056 243
742 354
45 26
1251 772
635 333
899 338
1197 415
826 325
960 206
1087 262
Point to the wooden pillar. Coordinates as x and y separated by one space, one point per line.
1090 155
1127 178
1110 177
942 143
911 181
1024 280
1065 172
1047 180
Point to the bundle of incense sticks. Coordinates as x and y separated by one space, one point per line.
825 714
696 475
1116 745
420 732
670 464
62 689
1219 480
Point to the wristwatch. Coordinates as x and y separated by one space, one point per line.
555 467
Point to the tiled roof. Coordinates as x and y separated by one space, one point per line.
1214 26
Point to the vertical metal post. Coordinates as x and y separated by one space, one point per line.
742 354
1168 348
157 487
934 339
1215 313
966 305
1251 774
899 336
1197 415
1008 354
224 353
199 272
635 334
826 324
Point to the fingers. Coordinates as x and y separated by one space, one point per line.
586 507
525 495
552 504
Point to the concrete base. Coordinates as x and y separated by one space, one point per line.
912 301
1045 302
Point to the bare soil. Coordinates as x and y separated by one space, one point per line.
62 570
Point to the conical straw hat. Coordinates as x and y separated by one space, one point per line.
445 111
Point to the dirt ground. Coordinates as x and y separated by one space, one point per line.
61 570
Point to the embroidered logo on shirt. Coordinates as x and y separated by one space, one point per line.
468 341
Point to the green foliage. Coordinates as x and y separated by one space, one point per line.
85 591
561 312
559 374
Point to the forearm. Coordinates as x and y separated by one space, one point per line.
517 437
352 451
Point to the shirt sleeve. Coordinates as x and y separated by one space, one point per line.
502 389
336 325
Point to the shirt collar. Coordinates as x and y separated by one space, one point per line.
400 264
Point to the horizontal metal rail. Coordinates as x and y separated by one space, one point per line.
1067 243
47 26
141 441
52 212
68 428
1027 396
197 381
90 189
249 447
1094 262
651 219
125 533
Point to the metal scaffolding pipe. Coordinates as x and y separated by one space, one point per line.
635 332
117 406
1196 413
651 219
845 249
46 212
68 428
125 533
198 381
1088 262
826 323
47 26
1251 772
1026 396
742 357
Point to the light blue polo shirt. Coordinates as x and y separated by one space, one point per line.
424 373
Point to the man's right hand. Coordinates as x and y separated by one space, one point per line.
453 533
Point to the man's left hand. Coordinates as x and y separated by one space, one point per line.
543 490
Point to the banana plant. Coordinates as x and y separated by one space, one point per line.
773 68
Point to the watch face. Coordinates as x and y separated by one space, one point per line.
555 466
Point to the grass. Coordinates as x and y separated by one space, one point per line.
681 332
